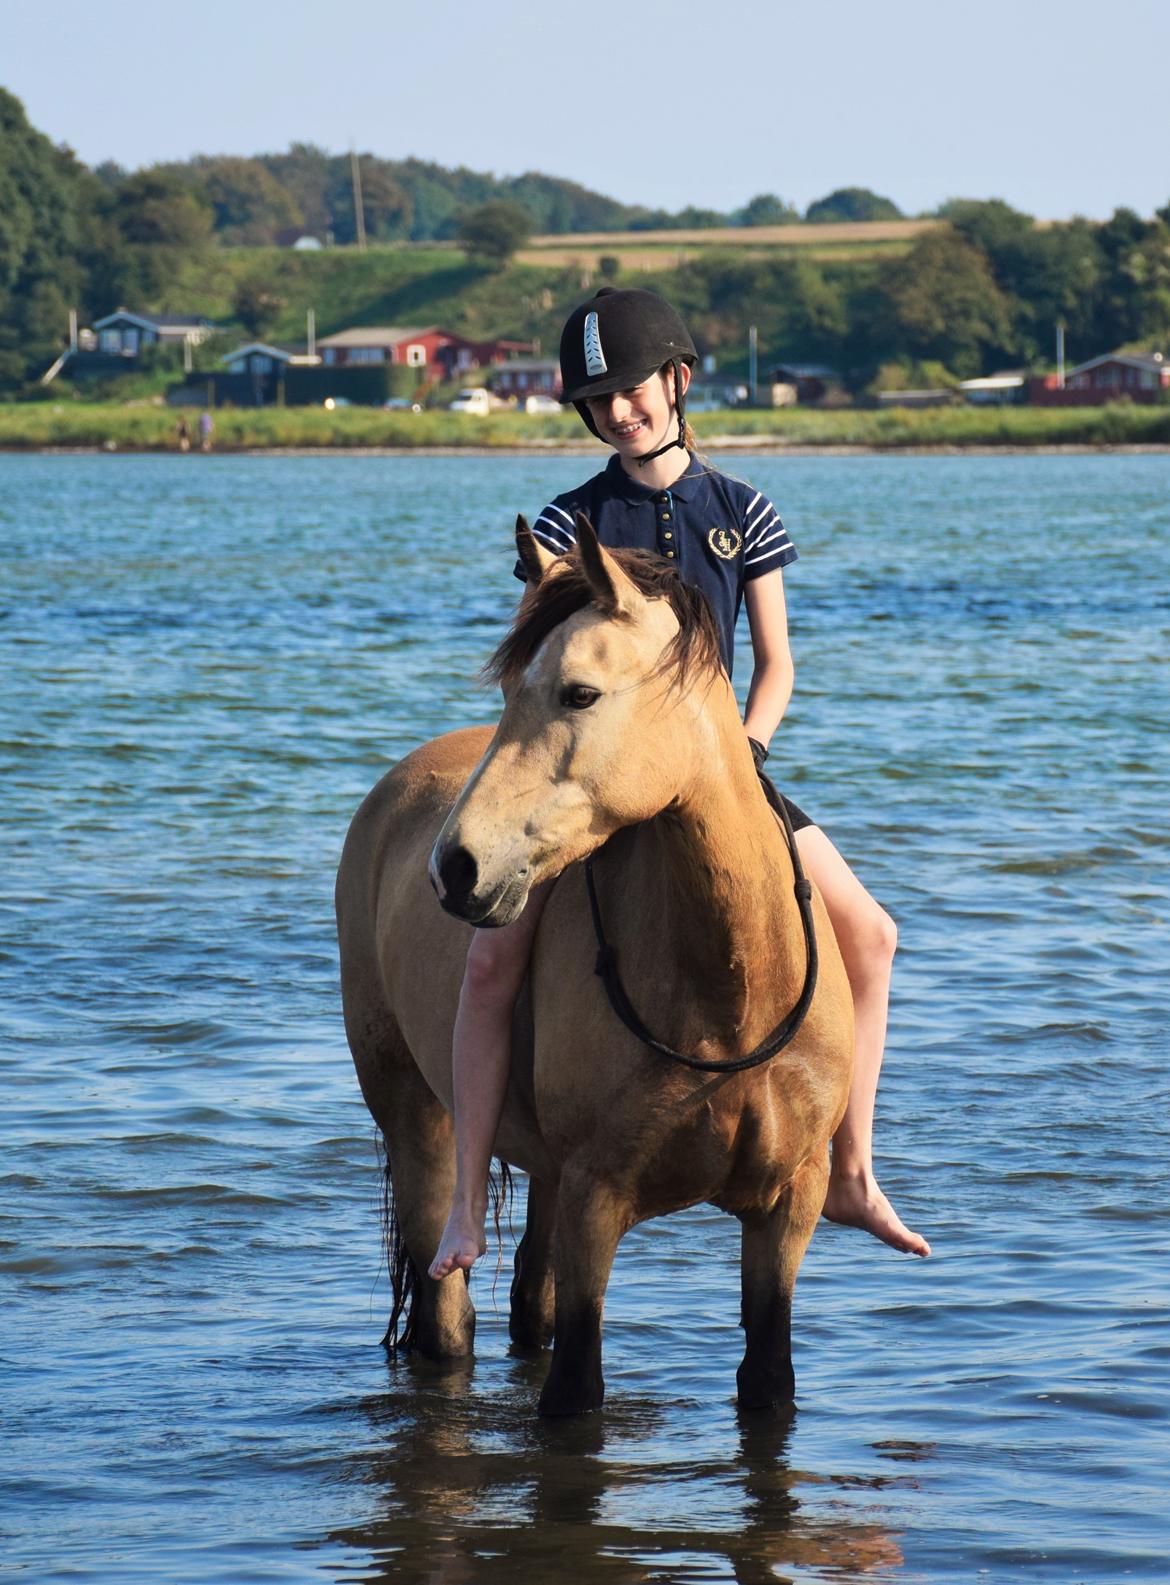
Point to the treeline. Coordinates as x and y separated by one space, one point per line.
271 198
982 292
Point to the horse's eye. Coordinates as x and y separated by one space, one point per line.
578 697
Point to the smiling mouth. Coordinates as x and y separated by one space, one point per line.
625 431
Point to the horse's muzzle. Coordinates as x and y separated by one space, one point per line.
455 875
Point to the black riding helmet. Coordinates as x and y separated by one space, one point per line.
617 339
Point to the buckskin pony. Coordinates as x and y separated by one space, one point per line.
620 738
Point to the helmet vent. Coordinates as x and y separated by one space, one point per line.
594 357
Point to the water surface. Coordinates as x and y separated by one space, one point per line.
207 661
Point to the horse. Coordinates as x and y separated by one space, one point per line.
620 748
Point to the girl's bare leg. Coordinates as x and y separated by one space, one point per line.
497 962
867 937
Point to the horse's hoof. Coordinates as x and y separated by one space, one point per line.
558 1402
759 1394
530 1336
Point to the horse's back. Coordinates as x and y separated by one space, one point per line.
403 812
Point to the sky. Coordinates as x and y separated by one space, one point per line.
1057 106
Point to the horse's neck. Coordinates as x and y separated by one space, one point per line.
730 915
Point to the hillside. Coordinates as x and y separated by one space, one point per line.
886 300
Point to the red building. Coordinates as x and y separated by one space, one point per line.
523 377
437 354
1137 376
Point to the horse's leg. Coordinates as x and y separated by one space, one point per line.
773 1247
420 1147
590 1222
533 1287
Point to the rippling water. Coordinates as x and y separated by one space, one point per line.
206 662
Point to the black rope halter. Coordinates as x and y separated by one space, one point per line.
784 1032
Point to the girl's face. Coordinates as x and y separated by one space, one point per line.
638 420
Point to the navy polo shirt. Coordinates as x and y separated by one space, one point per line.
720 531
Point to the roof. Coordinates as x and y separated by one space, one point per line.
807 371
265 347
1150 361
1009 380
378 335
533 365
161 322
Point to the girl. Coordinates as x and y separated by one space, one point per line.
626 361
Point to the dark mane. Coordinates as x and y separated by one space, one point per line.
560 595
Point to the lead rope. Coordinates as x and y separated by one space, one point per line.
784 1032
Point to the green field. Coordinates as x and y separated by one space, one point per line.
111 426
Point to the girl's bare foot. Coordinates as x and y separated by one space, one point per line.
461 1245
857 1201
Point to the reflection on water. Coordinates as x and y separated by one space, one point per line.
474 1489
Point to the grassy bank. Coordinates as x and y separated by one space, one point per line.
113 427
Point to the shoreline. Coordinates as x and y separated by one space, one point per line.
728 445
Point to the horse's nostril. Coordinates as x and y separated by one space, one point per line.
458 873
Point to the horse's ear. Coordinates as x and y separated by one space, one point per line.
534 558
612 590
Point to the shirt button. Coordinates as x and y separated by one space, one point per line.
666 517
662 499
670 553
666 534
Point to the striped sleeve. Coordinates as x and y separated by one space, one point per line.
555 530
766 545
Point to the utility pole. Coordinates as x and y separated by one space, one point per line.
359 209
73 330
311 333
1060 354
753 364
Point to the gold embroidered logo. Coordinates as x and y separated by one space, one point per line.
725 542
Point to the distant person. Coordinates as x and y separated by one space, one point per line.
206 430
626 359
183 434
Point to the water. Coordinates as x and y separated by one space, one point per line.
206 663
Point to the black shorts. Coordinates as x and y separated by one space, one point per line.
800 821
797 815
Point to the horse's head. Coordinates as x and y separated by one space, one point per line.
605 673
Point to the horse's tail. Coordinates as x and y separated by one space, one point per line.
405 1277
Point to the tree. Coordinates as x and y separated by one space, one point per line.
385 206
159 224
799 312
556 205
1133 302
48 205
257 306
765 209
492 232
249 205
1047 274
304 174
851 203
988 223
940 301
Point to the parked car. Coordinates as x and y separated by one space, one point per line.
539 403
475 399
401 404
